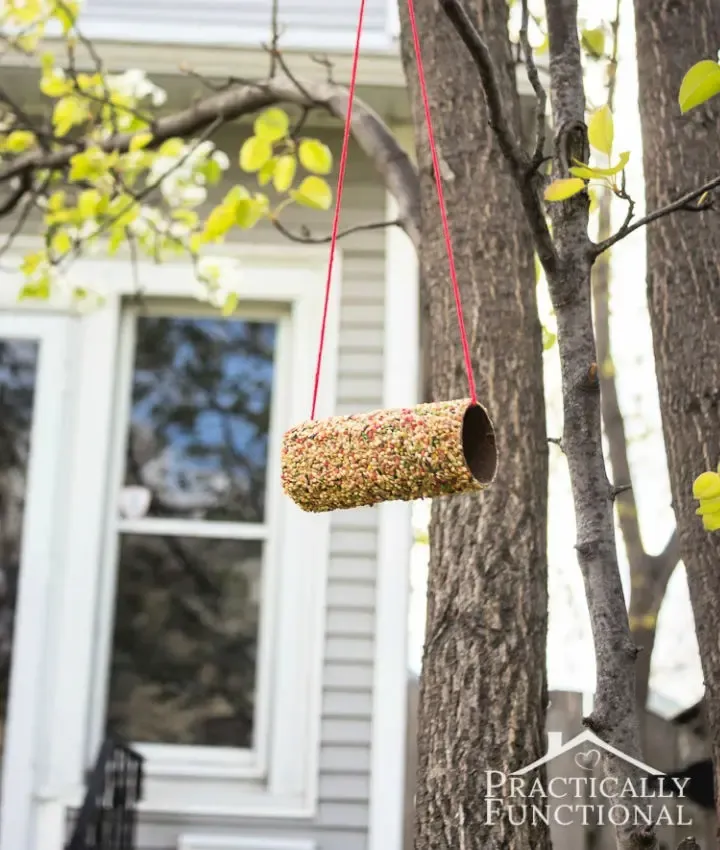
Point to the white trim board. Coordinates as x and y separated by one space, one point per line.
390 682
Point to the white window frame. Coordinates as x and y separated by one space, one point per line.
30 661
170 760
225 788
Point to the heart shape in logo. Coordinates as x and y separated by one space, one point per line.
588 760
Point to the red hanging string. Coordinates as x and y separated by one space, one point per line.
441 200
338 198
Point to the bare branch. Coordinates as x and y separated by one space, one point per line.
24 185
540 94
369 131
475 43
680 205
305 237
519 162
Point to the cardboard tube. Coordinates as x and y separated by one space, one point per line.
436 449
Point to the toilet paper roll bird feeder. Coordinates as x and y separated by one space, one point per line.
437 449
419 452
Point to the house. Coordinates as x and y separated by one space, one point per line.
156 583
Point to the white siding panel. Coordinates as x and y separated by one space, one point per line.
314 24
350 622
353 543
350 595
339 649
335 759
341 703
352 567
351 788
351 676
341 731
348 815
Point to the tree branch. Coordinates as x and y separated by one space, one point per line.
475 43
305 237
648 575
369 131
520 163
680 205
537 86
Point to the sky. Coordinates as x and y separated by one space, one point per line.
676 675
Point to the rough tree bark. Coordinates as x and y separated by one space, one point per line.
483 690
567 259
649 574
683 251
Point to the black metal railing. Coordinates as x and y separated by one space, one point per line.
108 815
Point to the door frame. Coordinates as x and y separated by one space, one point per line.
40 572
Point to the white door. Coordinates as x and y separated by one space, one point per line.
33 369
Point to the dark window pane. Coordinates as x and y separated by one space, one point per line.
185 643
18 366
201 396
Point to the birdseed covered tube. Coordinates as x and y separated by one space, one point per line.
430 450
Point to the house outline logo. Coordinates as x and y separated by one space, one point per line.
588 799
585 737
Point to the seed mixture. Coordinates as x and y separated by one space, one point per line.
387 455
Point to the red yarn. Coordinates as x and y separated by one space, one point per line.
441 201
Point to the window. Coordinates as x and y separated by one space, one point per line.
191 527
194 590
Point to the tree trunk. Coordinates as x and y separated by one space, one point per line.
483 687
680 152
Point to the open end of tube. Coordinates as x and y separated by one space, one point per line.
478 441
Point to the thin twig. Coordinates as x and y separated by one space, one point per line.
511 148
680 205
480 53
537 86
306 239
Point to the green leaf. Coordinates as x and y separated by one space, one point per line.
601 130
140 140
700 83
594 203
61 243
212 172
220 220
230 304
55 85
593 40
171 147
548 339
248 212
284 175
542 47
708 506
255 153
711 522
707 486
66 13
561 190
68 113
265 174
272 125
589 172
19 141
315 157
313 192
88 203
